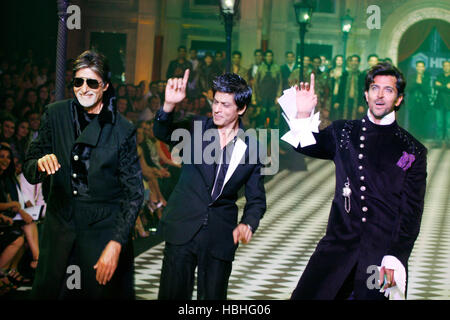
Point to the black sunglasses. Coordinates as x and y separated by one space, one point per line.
92 83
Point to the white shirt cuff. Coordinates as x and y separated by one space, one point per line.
301 130
398 291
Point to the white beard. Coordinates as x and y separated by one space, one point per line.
88 100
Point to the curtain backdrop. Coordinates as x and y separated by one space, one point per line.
417 33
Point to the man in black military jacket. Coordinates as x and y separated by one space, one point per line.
89 152
199 222
379 197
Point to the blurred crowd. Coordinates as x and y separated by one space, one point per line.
27 86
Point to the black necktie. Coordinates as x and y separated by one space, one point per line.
222 168
220 176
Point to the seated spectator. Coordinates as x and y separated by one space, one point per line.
8 126
29 102
151 156
154 104
42 77
162 89
34 119
156 200
8 105
121 91
138 106
10 193
43 98
122 105
131 92
21 139
11 241
153 90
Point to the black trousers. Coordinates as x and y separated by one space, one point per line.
178 271
78 244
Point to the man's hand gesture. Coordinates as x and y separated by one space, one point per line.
175 91
108 261
305 97
242 233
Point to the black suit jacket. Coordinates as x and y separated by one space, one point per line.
190 203
285 73
386 204
102 166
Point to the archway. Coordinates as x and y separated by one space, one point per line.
403 18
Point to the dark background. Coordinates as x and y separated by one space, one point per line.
29 24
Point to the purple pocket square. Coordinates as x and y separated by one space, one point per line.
405 161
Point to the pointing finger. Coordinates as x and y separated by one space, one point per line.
312 82
186 77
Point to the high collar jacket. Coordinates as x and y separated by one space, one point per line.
191 204
96 194
385 168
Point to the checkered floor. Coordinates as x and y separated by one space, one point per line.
298 206
269 267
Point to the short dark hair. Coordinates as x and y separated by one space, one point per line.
356 56
257 51
288 52
372 55
233 83
268 51
93 60
420 61
237 52
8 117
387 69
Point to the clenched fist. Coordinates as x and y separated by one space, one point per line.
48 163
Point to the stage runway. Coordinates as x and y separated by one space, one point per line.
298 205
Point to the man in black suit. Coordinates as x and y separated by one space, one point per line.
199 222
287 68
379 196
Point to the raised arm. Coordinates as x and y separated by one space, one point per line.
175 91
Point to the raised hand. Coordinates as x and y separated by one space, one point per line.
306 99
175 91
